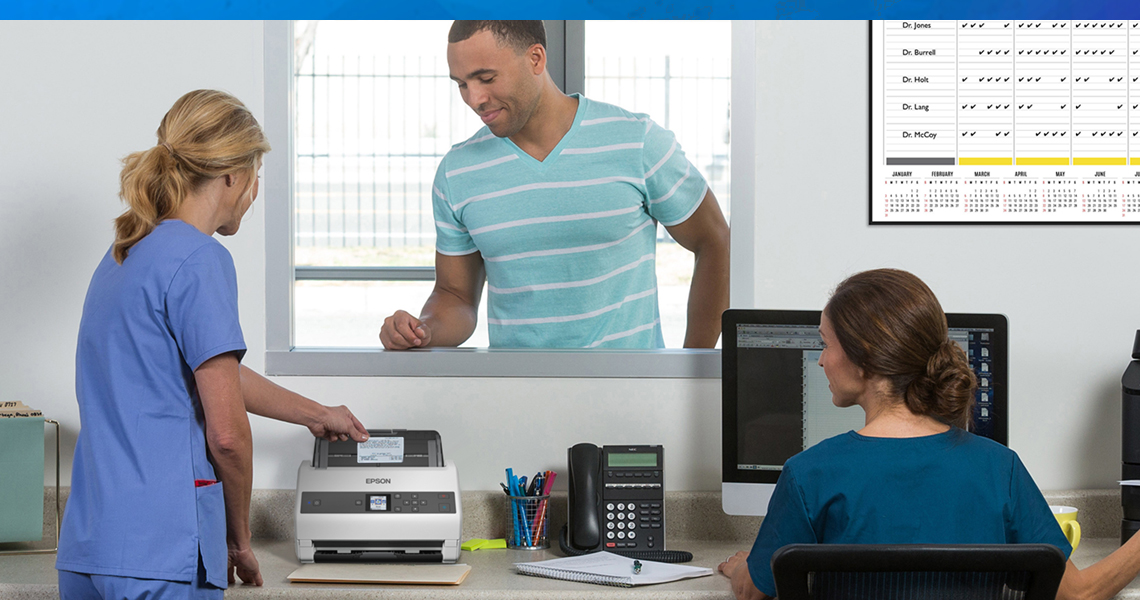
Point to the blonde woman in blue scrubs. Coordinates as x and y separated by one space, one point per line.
159 503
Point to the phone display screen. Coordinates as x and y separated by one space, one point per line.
632 459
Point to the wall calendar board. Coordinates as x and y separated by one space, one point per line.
1005 122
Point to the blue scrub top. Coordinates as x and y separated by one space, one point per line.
134 508
949 488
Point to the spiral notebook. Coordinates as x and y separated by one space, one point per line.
604 568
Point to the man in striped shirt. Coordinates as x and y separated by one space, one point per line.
555 204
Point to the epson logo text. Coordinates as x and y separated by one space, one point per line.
381 481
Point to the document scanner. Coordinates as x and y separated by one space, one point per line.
389 499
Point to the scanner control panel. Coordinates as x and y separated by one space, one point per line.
378 502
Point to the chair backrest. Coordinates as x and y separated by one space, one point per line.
918 571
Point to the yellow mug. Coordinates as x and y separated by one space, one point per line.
1067 519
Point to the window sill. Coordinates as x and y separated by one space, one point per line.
486 362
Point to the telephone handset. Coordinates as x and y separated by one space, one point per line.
617 502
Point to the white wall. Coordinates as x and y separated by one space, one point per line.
79 96
1068 291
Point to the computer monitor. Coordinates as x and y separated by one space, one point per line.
776 401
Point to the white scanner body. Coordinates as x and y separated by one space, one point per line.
396 513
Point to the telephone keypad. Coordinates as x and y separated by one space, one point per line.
633 502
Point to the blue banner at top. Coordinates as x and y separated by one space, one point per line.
572 9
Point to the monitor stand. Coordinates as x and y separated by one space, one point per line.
748 499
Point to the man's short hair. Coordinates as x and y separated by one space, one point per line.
519 35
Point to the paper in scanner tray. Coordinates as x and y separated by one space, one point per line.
384 448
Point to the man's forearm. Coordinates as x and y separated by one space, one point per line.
452 321
708 296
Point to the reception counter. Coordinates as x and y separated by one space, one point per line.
696 524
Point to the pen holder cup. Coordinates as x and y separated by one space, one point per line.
527 518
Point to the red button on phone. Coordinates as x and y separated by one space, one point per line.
609 544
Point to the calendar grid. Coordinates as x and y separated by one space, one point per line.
1005 121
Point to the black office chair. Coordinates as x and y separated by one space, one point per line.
918 571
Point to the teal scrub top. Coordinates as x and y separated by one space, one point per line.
950 488
142 501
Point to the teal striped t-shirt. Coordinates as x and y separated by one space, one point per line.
569 243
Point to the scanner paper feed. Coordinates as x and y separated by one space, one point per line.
381 450
22 474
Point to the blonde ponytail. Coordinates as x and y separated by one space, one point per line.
205 135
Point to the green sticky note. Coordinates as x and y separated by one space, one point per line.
473 544
22 471
495 544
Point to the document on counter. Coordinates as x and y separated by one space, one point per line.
418 574
605 568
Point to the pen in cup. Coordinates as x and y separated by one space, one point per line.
528 500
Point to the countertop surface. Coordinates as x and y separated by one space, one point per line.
27 577
697 524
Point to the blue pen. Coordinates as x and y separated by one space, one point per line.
512 485
521 488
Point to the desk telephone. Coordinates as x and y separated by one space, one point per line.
617 503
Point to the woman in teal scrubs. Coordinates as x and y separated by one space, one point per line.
913 474
159 503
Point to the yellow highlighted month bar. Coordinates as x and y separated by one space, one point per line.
1051 160
998 160
1101 161
1135 161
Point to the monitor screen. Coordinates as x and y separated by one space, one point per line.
776 400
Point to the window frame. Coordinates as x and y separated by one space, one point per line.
565 39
